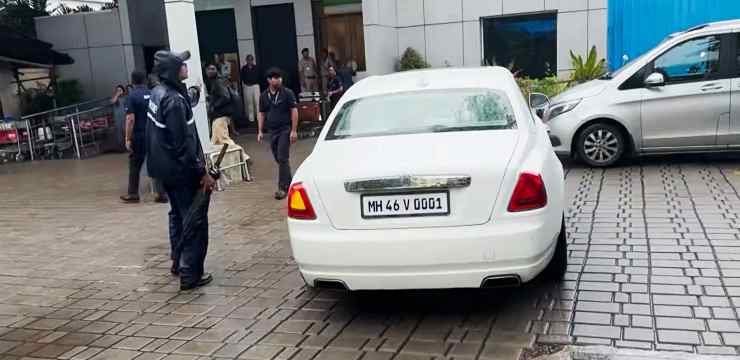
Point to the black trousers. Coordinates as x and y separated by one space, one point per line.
135 162
280 145
189 254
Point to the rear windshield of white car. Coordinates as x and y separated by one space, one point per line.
423 112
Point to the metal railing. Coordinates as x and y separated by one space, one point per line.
69 129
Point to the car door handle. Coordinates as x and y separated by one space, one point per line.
712 87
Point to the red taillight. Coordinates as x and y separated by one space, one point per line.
529 193
299 206
12 136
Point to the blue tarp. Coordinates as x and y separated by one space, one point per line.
636 26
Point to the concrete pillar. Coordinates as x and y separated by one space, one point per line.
183 35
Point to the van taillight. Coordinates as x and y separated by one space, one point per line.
299 206
529 193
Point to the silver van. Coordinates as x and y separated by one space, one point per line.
681 96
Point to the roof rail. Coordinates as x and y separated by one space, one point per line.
698 27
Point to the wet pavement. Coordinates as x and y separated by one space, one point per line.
654 265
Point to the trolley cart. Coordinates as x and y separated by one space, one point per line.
310 114
51 134
11 142
90 130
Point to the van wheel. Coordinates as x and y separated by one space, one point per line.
557 267
600 145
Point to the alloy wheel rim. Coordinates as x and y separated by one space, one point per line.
601 146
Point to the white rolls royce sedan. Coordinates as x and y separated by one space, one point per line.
427 180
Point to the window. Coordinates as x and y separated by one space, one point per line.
692 60
525 43
737 53
423 112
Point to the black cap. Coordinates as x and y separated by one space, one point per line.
274 72
167 56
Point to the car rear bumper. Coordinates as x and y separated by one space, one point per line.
430 258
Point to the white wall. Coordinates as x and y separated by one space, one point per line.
447 32
380 19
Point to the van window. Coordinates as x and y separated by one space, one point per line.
692 60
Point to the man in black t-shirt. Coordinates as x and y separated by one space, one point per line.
279 115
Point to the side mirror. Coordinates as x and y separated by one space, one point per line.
194 93
539 103
655 80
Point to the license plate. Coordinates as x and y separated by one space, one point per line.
405 205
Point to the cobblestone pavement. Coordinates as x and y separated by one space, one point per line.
654 264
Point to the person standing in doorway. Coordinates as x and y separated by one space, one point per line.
251 80
136 108
224 67
279 115
335 89
326 61
308 72
175 157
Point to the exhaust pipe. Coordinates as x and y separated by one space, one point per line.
503 281
330 285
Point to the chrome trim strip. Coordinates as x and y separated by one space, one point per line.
407 182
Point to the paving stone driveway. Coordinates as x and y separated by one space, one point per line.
654 264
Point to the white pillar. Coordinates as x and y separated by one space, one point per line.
183 35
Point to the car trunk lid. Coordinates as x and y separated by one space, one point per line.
480 156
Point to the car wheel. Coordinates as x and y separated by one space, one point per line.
601 145
557 267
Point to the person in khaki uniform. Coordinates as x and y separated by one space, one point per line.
308 72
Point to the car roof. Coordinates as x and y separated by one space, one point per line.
492 77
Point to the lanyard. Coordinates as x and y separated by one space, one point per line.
273 100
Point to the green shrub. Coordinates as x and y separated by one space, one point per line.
550 86
411 60
68 92
587 70
35 101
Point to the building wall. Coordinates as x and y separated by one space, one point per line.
635 27
106 45
243 15
95 42
448 32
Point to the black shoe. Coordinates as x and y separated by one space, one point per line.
162 199
175 270
130 199
280 195
204 280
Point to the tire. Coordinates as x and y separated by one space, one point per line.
557 267
601 145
